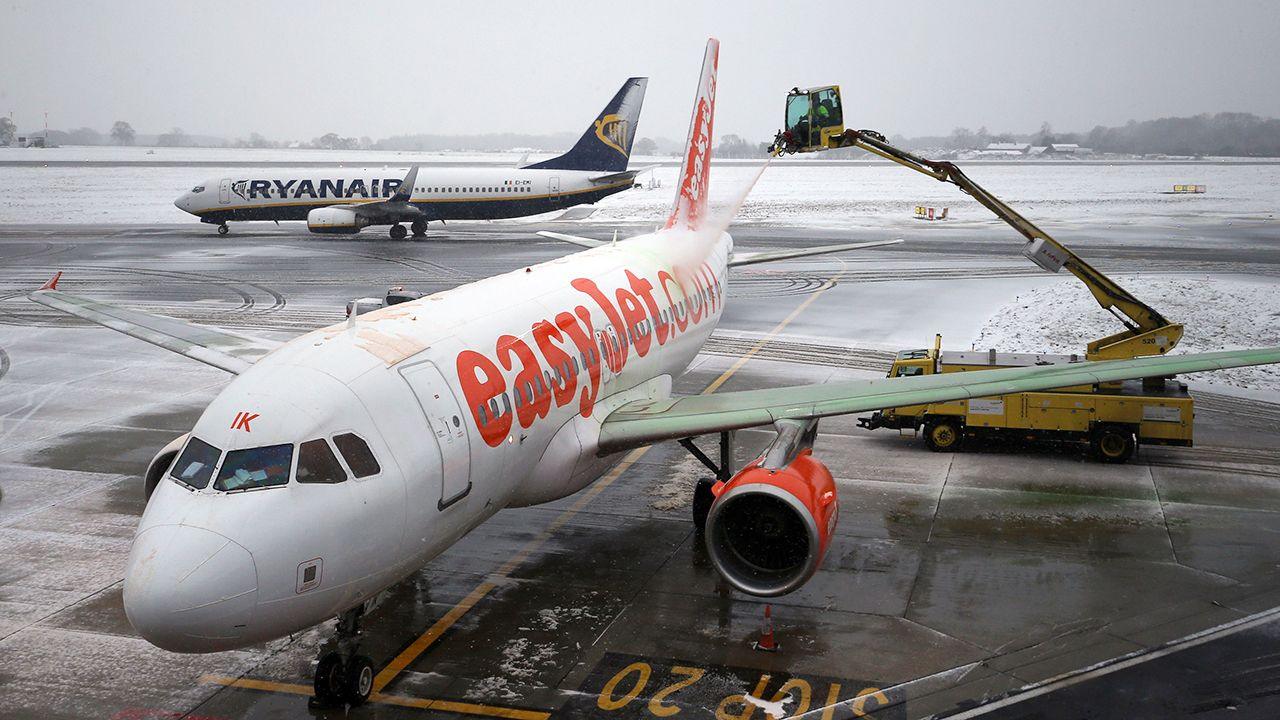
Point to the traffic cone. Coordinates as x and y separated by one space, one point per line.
766 643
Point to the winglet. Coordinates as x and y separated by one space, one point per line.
405 191
53 282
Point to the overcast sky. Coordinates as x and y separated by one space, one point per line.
294 70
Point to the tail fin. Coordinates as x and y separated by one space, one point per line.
695 170
606 145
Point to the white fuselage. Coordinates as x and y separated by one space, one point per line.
440 193
480 398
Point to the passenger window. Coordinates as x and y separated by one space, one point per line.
318 464
195 465
357 454
260 467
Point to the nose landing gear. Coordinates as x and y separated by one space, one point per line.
223 229
343 676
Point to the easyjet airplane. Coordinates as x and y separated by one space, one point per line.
337 464
345 202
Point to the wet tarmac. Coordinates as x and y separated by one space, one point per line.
953 579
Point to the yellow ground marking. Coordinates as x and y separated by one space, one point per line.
433 633
411 702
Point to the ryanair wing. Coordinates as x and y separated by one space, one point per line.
620 176
222 349
395 207
645 422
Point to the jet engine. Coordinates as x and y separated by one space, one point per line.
769 526
160 464
335 220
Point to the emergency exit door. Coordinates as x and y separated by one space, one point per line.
224 192
444 422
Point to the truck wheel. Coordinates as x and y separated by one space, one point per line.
942 436
1112 444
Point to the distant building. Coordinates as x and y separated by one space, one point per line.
1019 148
1068 149
1037 150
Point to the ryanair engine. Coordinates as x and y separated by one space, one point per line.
770 525
338 220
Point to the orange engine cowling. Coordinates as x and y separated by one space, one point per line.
768 529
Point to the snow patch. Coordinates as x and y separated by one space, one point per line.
1221 313
522 659
676 489
491 688
774 710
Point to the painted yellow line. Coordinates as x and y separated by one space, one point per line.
411 702
742 360
424 641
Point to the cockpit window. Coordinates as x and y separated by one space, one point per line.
357 454
195 464
317 463
197 189
255 468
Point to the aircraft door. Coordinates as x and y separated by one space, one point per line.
444 417
224 191
553 187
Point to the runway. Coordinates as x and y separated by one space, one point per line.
954 579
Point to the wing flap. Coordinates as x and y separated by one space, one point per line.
578 240
642 423
222 349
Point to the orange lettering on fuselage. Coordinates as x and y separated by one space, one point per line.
534 387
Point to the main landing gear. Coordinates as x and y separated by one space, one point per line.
223 229
397 232
343 675
702 496
419 228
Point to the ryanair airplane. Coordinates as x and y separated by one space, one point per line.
594 168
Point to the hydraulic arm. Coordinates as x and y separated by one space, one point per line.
1147 332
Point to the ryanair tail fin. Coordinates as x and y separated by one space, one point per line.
606 145
690 207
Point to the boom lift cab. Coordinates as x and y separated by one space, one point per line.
1112 416
814 118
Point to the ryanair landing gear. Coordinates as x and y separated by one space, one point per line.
223 229
343 676
398 232
419 228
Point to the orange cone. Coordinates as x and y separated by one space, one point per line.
766 643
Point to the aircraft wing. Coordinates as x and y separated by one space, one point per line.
620 176
222 349
578 240
751 258
646 422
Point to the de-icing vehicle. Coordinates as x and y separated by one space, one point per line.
1113 418
336 464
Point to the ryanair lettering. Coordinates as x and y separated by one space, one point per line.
297 189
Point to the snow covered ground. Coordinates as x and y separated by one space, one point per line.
1219 313
814 195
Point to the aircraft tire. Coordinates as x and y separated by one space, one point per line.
223 229
419 228
397 232
702 499
330 680
359 680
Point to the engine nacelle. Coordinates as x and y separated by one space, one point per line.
768 528
160 464
335 220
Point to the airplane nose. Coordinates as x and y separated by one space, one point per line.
183 202
188 589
